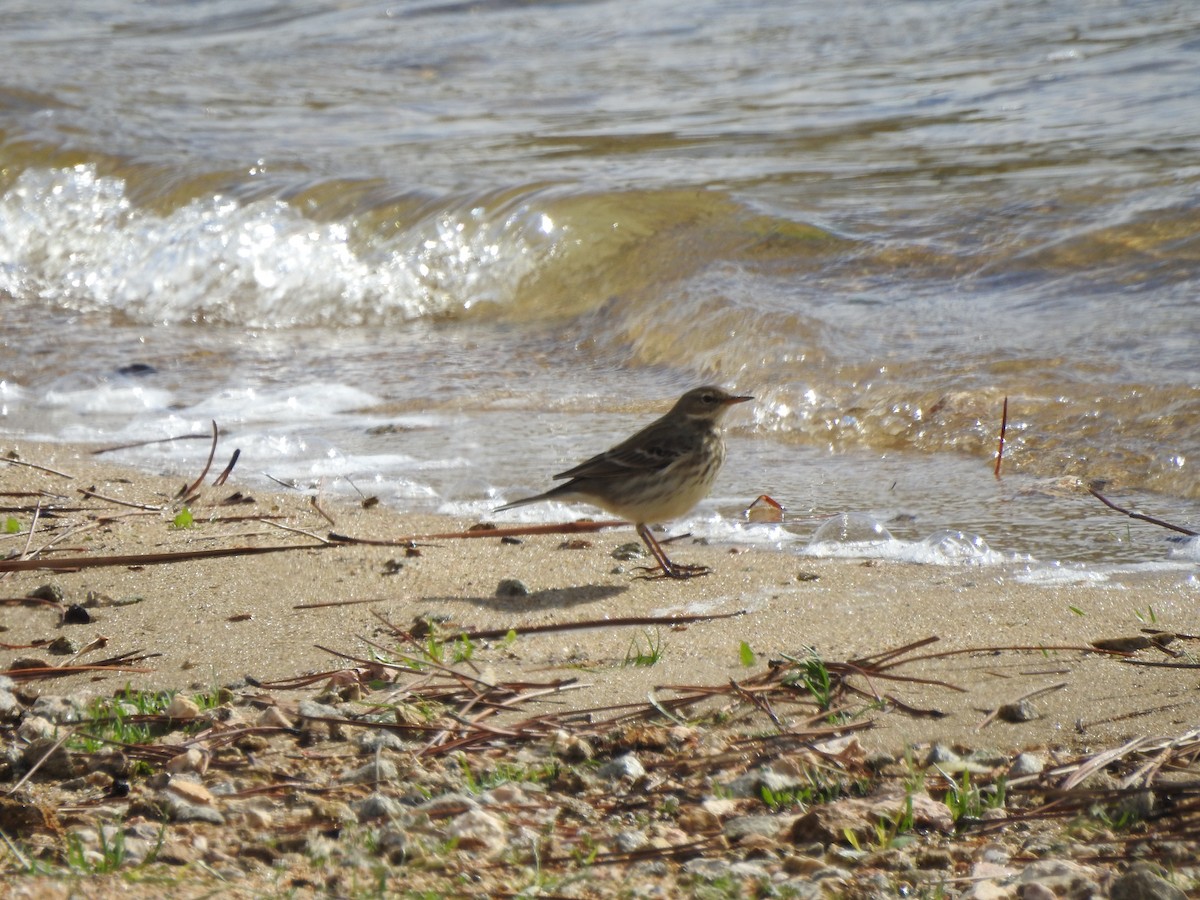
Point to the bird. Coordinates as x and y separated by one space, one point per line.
656 475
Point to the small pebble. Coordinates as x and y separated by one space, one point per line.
629 551
512 587
626 766
1021 711
77 615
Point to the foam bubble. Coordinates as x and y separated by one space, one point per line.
850 535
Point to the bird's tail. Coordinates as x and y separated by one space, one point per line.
552 494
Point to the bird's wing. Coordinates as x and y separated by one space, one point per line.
650 450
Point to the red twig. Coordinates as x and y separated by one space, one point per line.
1003 429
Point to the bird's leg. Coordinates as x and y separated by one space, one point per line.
669 569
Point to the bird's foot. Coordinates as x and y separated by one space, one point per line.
680 571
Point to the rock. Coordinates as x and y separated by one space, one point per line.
630 551
988 890
62 710
572 748
51 592
756 782
624 767
325 810
835 873
273 717
21 818
191 760
1026 764
34 727
800 864
1037 891
63 646
951 763
716 869
180 809
940 755
1020 711
378 771
1144 881
76 615
111 760
378 806
311 709
512 587
258 818
393 843
736 830
879 760
988 756
1061 877
631 840
830 823
451 804
182 707
137 849
228 714
191 812
190 791
798 890
935 858
479 831
52 758
379 739
698 820
28 662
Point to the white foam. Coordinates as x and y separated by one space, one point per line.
860 536
12 397
1186 550
109 398
1056 574
73 238
294 403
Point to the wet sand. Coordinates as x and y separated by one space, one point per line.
215 621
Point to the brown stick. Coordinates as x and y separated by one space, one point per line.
72 563
487 634
92 495
224 476
187 492
29 465
1134 515
329 603
518 530
1003 429
178 437
61 671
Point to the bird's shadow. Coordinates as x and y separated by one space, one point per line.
559 598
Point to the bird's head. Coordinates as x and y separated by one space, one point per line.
707 403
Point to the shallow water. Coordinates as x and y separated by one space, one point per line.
446 249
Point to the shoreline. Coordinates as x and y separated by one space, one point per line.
298 730
216 621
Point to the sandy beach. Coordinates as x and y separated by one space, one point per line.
216 621
649 711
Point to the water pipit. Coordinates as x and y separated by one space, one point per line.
658 474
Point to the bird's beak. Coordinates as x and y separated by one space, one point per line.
733 400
